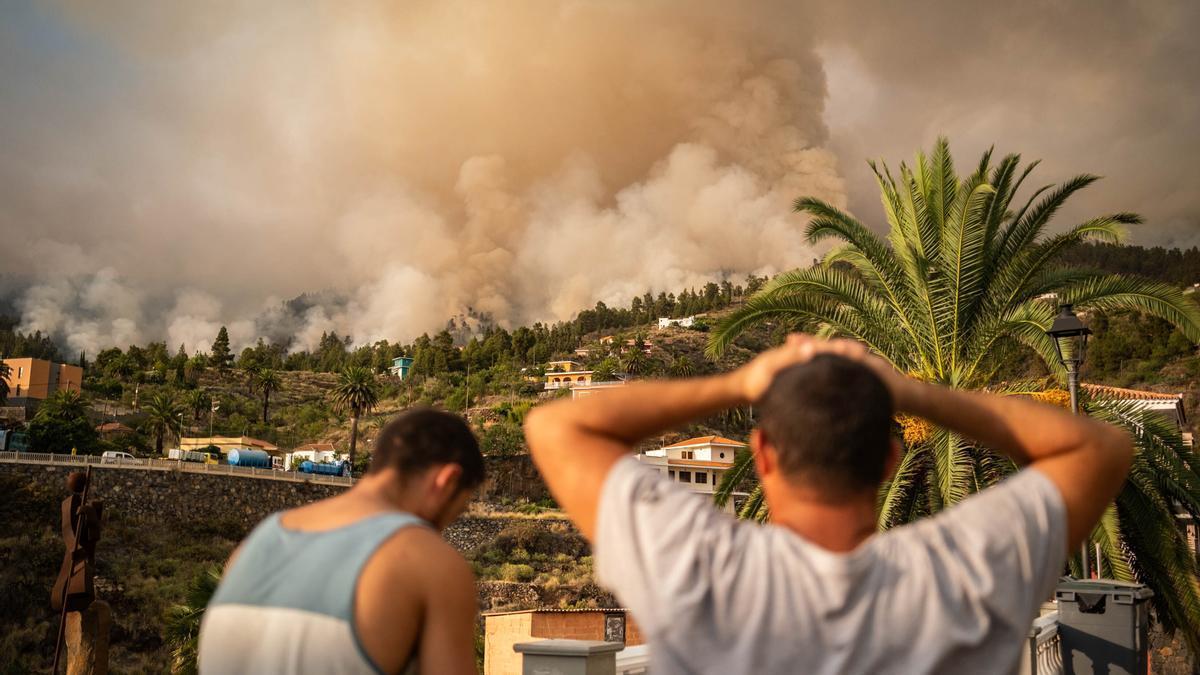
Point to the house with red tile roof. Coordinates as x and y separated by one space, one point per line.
696 463
1168 405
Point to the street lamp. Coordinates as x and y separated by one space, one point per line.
1070 340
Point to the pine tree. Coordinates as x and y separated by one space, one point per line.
221 356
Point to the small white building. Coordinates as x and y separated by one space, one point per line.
697 463
685 322
313 452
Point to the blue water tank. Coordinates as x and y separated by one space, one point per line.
247 457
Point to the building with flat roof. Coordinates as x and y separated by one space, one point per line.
566 374
400 366
37 379
227 443
502 630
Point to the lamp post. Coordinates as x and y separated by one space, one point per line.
1070 340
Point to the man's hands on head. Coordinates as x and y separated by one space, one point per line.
754 378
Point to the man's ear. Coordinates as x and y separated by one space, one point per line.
763 452
446 478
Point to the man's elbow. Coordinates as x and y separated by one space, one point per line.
1121 448
540 424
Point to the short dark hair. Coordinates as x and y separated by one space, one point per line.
830 421
419 438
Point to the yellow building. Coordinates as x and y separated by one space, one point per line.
566 374
227 443
38 379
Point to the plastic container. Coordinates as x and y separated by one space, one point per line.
1104 626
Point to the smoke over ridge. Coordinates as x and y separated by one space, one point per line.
524 160
169 168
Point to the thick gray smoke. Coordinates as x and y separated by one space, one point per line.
172 167
520 159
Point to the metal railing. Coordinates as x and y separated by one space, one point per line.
44 458
1043 651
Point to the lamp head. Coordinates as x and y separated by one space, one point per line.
1068 326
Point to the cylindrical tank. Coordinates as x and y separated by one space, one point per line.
326 468
247 457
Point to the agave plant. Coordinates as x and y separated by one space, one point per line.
965 280
181 630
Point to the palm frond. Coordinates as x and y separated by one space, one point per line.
738 474
1155 298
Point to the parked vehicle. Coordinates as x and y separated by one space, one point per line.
117 457
14 441
187 455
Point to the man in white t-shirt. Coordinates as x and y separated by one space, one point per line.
818 590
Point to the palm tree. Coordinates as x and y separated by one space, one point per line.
356 393
634 361
162 414
682 366
965 281
182 628
199 402
5 373
265 380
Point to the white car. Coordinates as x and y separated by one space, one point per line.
115 457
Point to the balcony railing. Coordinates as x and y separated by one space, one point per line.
1043 650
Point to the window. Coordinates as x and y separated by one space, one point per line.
701 477
688 454
722 455
20 371
685 476
671 473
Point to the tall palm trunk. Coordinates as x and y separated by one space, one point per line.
266 403
353 440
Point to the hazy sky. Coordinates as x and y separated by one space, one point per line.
170 167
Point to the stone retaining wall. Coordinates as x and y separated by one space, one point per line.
242 501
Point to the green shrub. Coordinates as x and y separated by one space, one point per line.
516 572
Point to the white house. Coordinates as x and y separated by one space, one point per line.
686 322
697 463
313 452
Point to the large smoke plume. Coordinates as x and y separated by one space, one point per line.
173 167
523 160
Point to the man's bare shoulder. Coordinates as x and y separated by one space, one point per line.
413 572
421 553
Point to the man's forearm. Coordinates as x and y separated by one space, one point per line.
1022 429
636 411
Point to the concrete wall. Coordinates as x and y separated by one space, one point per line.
502 631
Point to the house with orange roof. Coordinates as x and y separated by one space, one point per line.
1170 406
696 463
